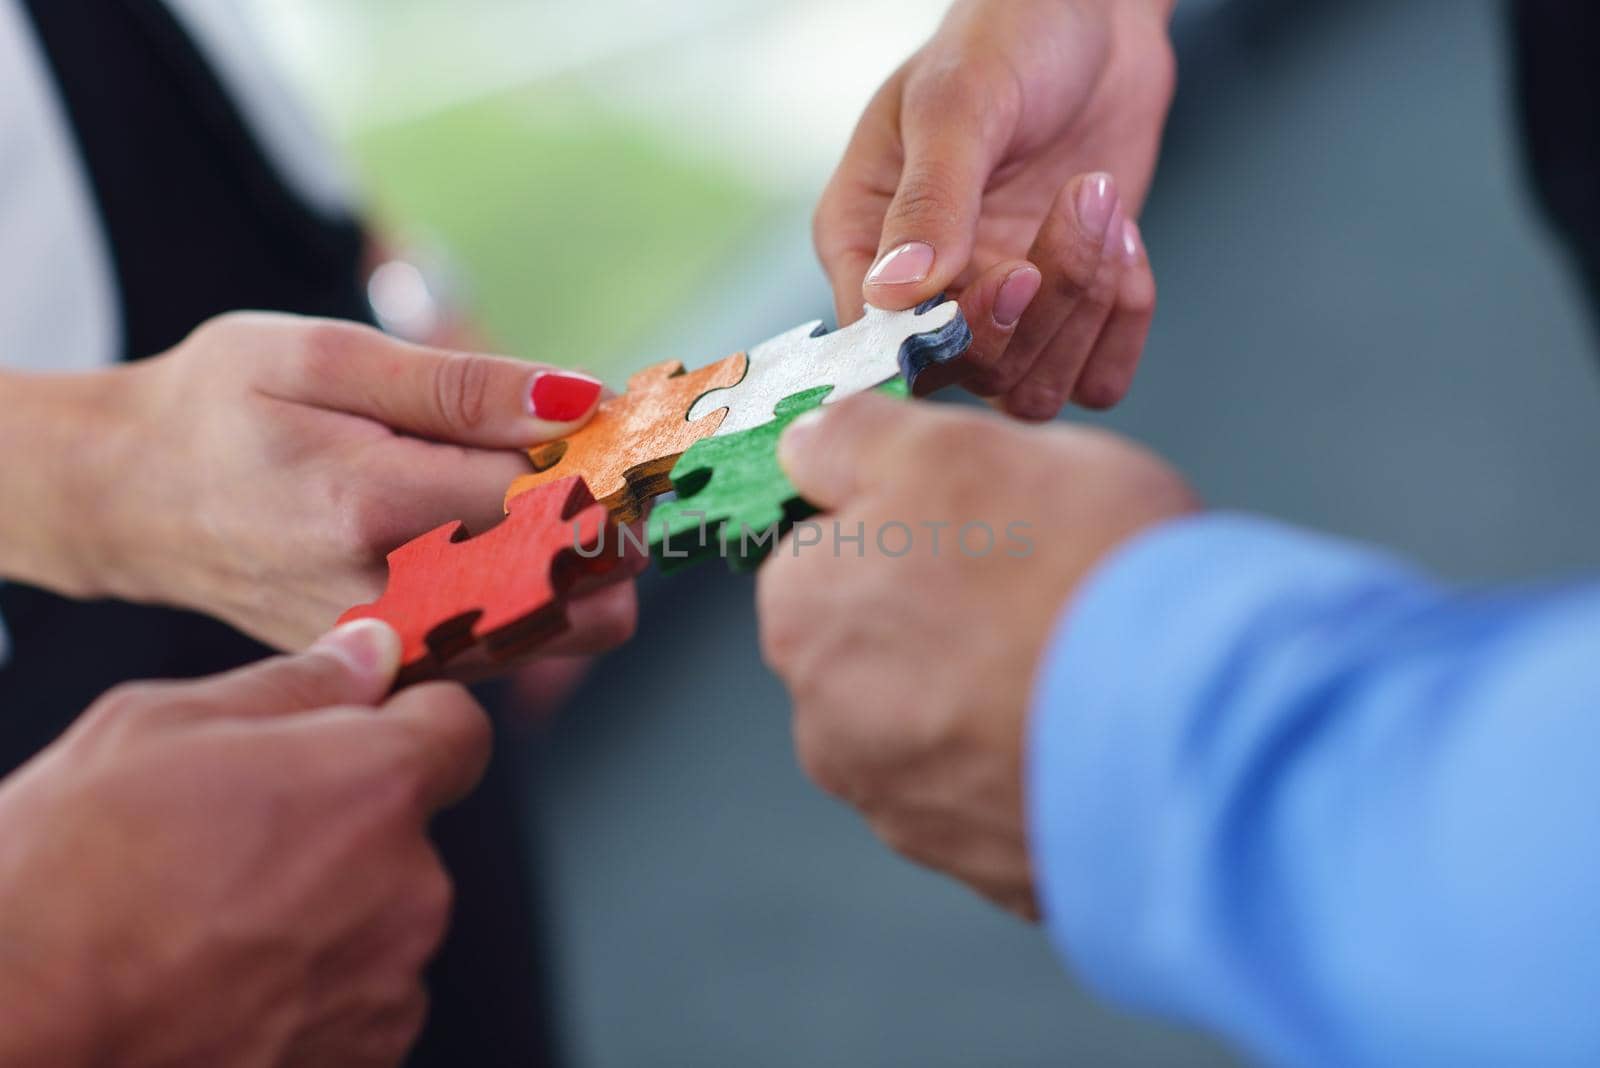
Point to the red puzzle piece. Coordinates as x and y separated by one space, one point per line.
503 590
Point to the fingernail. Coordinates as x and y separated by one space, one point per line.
1016 293
563 396
799 437
1132 242
370 646
908 264
1097 200
1114 233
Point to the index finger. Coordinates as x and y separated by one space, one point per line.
490 402
444 742
848 224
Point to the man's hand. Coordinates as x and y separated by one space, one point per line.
262 470
1005 163
234 870
910 654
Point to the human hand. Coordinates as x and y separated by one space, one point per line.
262 470
234 871
1005 163
911 669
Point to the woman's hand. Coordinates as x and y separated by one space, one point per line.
1005 163
261 471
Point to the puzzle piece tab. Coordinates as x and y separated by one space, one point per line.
867 353
502 591
626 452
733 498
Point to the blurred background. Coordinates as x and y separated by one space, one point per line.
1364 328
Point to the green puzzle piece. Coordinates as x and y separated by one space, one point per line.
733 498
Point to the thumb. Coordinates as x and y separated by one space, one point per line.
931 225
352 665
835 453
490 402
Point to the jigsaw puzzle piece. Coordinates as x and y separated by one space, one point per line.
626 452
733 498
502 591
867 353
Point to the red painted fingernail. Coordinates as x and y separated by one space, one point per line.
562 396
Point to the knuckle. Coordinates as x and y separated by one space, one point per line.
396 1012
126 701
899 836
1160 78
609 616
945 83
390 790
461 392
997 380
620 627
1009 368
780 631
330 340
1139 300
409 1020
370 528
413 768
1037 400
1099 299
235 323
1084 284
220 326
324 351
451 742
1079 263
468 725
434 898
926 197
401 1025
818 757
306 682
1101 391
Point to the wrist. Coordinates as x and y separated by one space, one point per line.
69 433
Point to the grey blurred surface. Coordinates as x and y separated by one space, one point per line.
1363 328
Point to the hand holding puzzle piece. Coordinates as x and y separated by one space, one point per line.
460 600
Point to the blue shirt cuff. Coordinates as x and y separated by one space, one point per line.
1138 663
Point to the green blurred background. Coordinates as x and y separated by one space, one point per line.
592 169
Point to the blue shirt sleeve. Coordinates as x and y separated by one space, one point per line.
1297 793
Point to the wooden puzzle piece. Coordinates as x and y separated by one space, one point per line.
626 452
733 498
502 590
866 353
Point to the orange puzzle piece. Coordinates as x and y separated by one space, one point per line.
626 452
503 590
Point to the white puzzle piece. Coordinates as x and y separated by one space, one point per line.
865 354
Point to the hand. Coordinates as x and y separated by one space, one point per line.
911 669
234 871
262 470
1005 163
